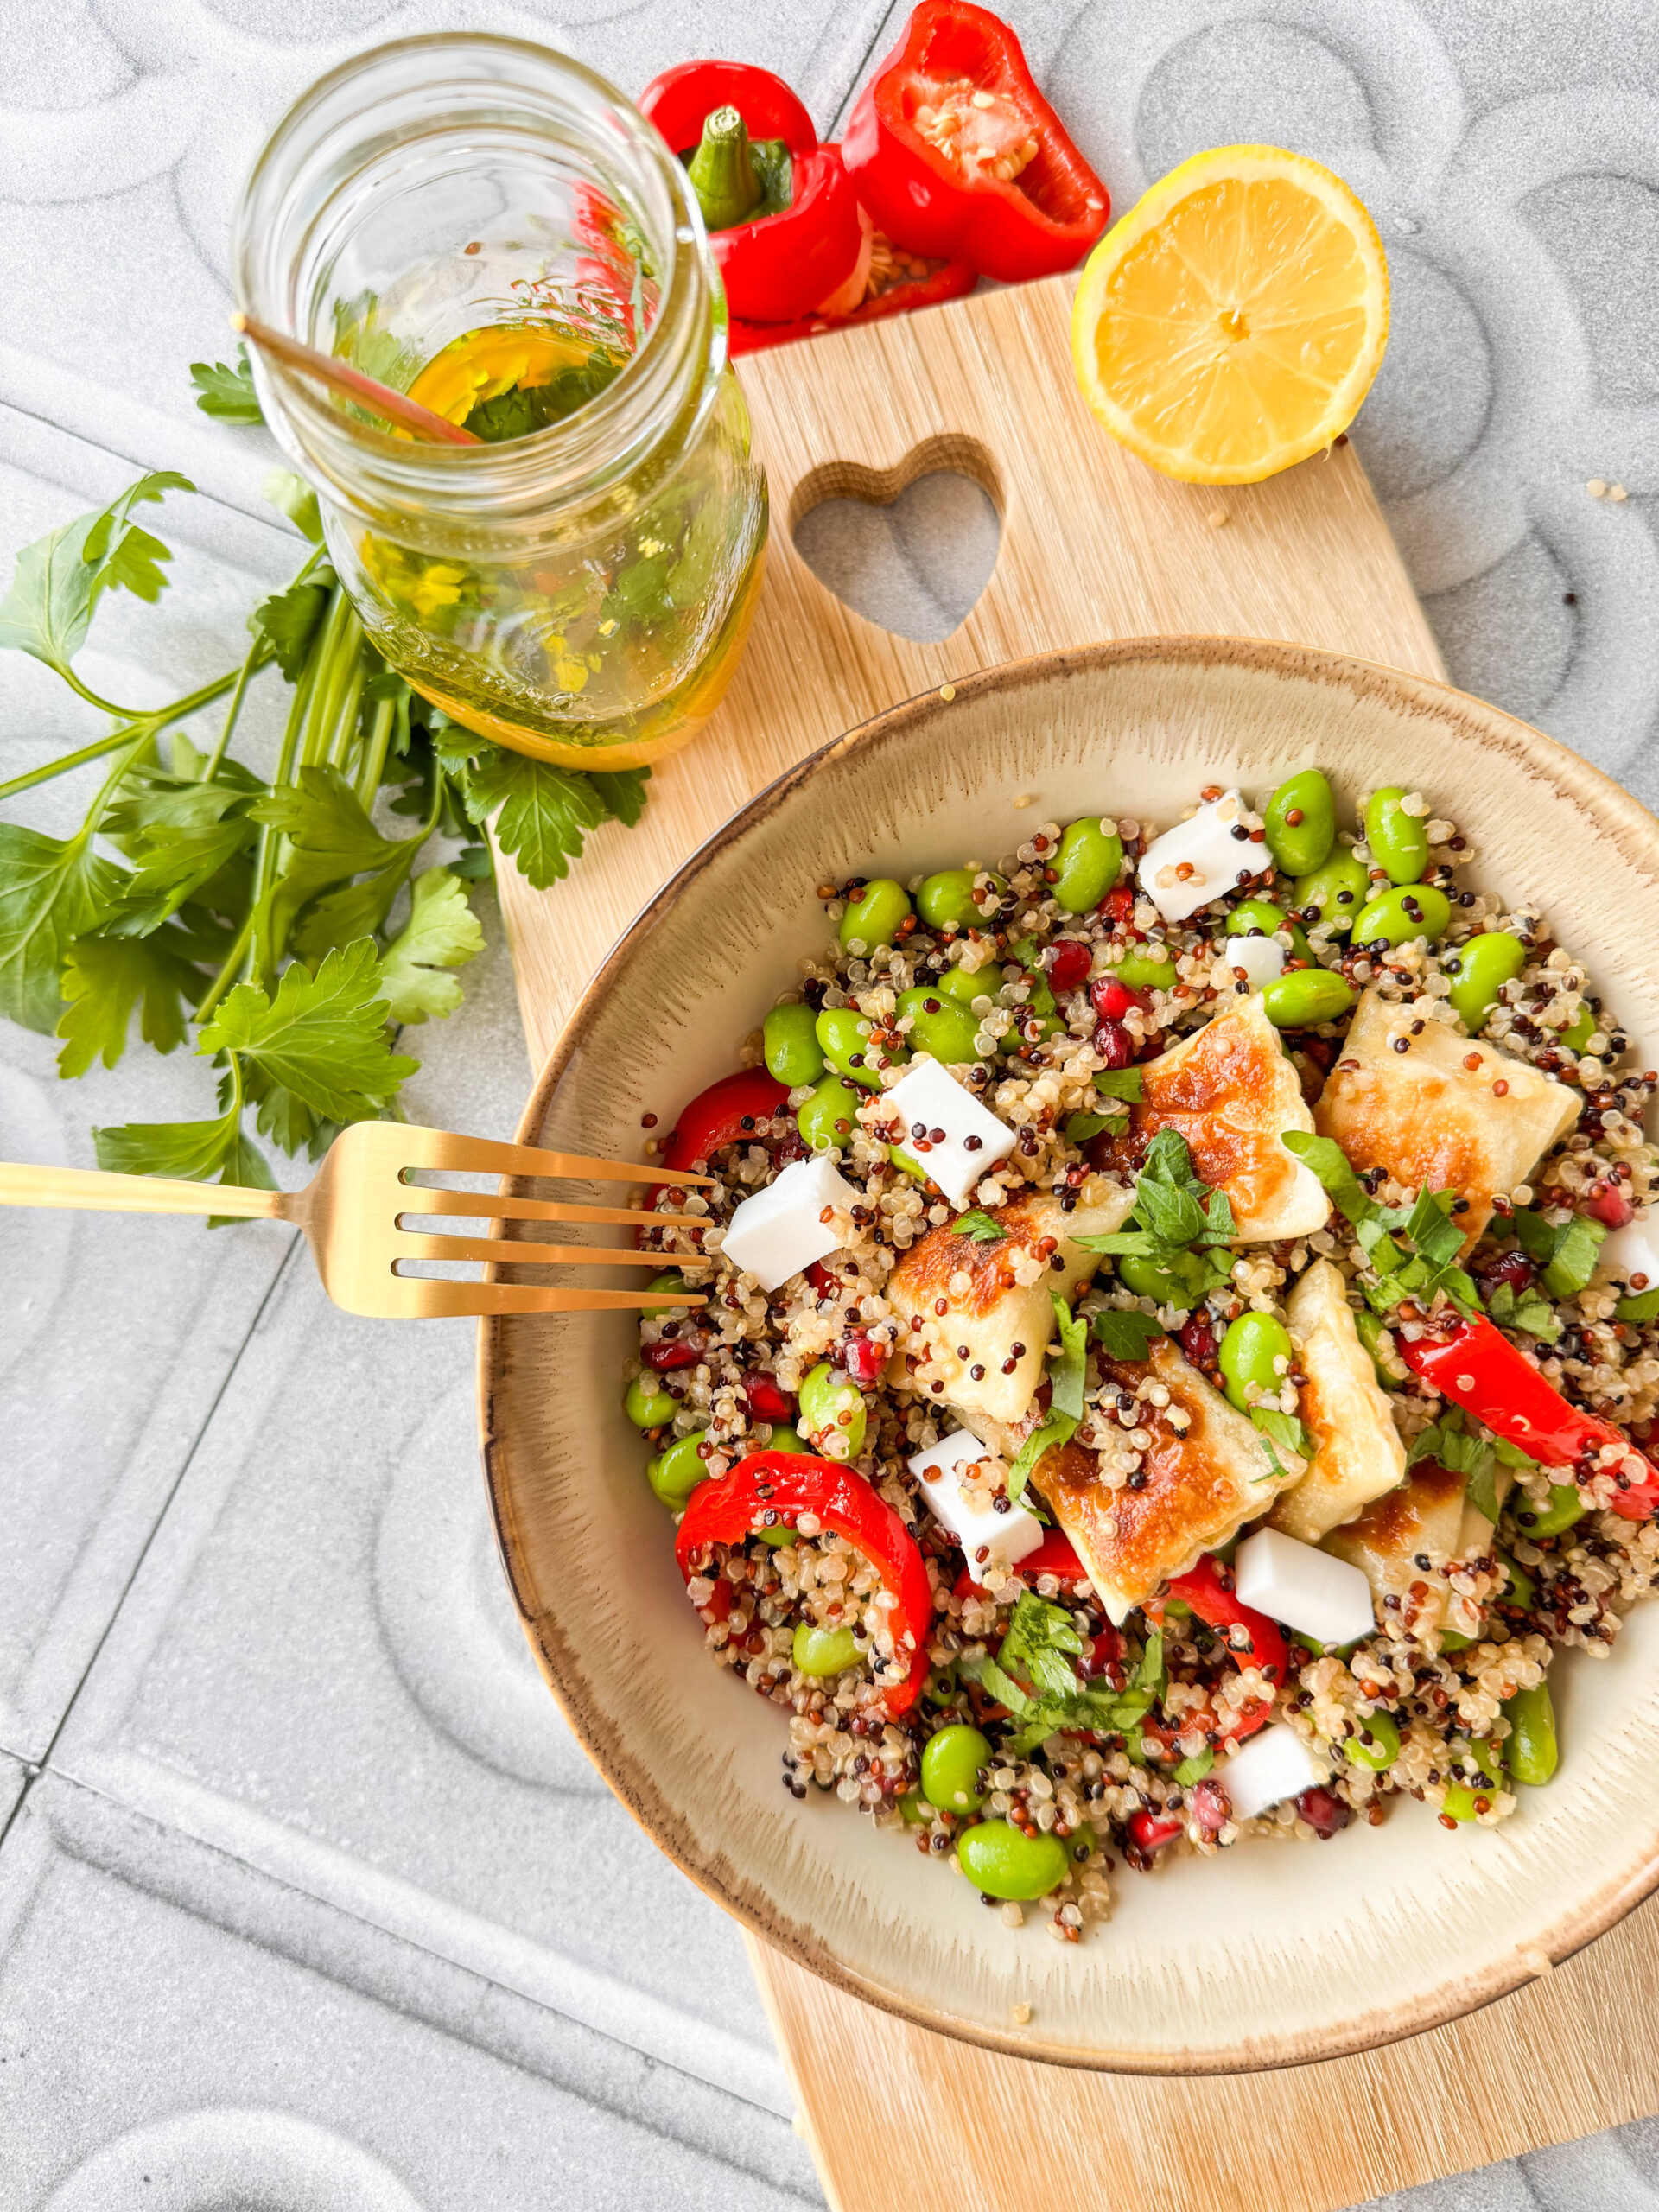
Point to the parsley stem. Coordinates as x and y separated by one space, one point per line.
231 961
374 757
334 670
256 659
116 737
261 958
104 706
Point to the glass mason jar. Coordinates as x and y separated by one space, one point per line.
471 218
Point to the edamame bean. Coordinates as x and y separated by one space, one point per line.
1522 1590
1399 841
674 1281
1641 1306
940 1686
1530 1750
1169 1281
1567 1506
1579 1032
824 1651
1087 866
789 1041
1262 914
951 1759
1377 1745
1395 917
1453 1639
647 1404
914 1810
1305 995
785 1438
1482 967
1143 969
1460 1796
1300 823
828 1118
1369 1328
825 1395
941 1026
674 1474
956 983
873 915
1336 891
946 900
1252 1345
1004 1862
843 1038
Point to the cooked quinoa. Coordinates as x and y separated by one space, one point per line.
1138 1768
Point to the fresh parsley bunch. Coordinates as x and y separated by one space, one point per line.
1041 1642
198 894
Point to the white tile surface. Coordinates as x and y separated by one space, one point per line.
308 1939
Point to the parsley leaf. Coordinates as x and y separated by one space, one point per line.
1041 1641
1195 1769
104 978
322 1036
1529 1311
442 932
542 813
288 620
1282 1428
199 1152
1121 1083
1065 1373
1058 1428
1462 1450
979 1226
331 840
52 891
59 579
622 791
1574 1259
1327 1159
292 496
225 393
1431 1230
1079 1127
1125 1334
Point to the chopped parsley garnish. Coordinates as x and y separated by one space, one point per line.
1041 1642
979 1225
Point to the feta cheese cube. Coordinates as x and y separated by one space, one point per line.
1215 861
1632 1250
1262 958
961 1139
1292 1582
781 1229
1269 1767
1005 1537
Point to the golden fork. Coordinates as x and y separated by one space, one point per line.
351 1212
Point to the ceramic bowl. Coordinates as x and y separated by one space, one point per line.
1273 1952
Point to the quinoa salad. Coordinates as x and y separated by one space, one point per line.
1167 1342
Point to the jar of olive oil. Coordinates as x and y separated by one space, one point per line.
494 230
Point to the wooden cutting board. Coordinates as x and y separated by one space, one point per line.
1094 546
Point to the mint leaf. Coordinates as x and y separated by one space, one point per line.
52 891
1058 1428
1573 1261
1079 1127
1126 1335
441 934
1284 1429
103 979
1430 1229
323 1038
225 393
1121 1083
59 579
1066 1373
1041 1640
1536 1237
1171 1215
1327 1159
979 1226
1195 1769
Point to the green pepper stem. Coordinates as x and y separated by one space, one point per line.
721 174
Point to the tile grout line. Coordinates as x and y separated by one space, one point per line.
838 120
33 1769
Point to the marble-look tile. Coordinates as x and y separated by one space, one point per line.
13 1775
178 2029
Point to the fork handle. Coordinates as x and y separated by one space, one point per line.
89 1190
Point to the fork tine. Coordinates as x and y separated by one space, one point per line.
479 1205
484 1156
433 1298
508 1249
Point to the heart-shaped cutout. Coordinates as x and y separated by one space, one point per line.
910 548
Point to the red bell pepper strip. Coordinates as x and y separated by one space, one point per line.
950 280
924 155
789 1484
1247 1634
1476 1366
726 1112
777 267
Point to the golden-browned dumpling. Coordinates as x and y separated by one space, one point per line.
1201 1486
983 1324
1429 1119
1422 1519
1358 1452
1231 1093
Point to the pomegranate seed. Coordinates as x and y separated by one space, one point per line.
1198 1341
1325 1814
1611 1206
863 1358
1211 1807
671 1354
1513 1268
766 1400
1118 905
1114 1043
1147 1831
1113 1000
1067 964
819 1277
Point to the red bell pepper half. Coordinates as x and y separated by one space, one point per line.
946 280
1474 1364
957 156
781 265
789 1484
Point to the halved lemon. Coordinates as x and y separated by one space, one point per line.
1232 322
